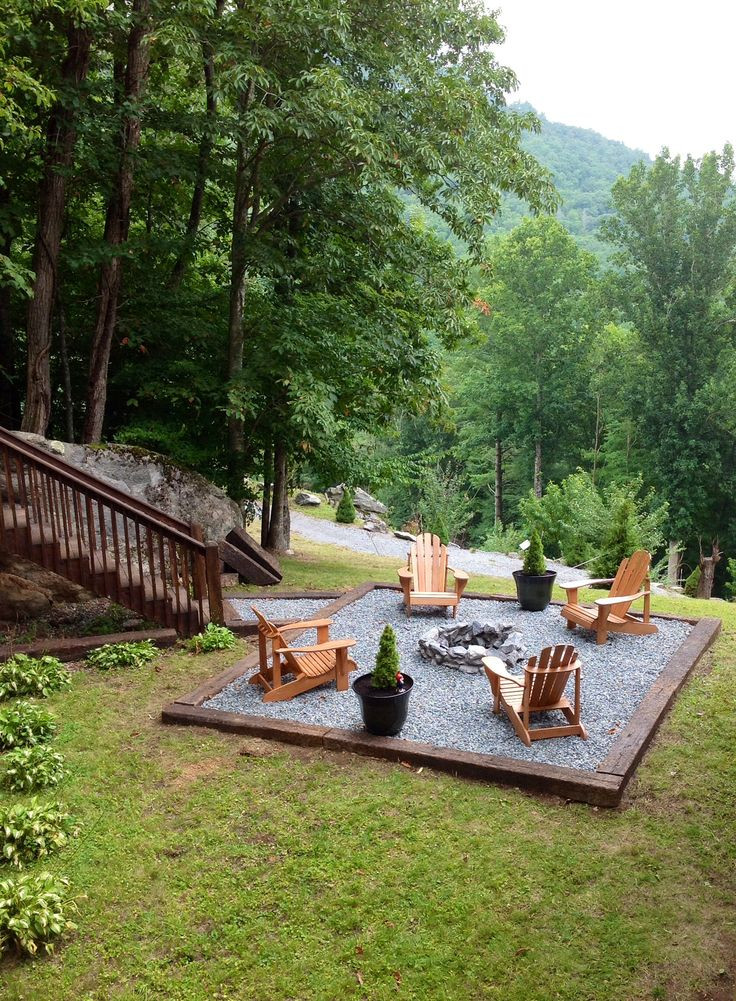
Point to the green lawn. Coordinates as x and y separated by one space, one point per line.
216 867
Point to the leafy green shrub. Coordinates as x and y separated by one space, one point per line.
23 675
32 911
534 562
213 638
345 513
115 655
730 586
503 539
23 725
29 833
690 587
622 538
29 768
386 673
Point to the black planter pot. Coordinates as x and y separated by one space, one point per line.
384 710
534 593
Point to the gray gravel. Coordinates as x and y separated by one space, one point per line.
278 609
377 544
449 709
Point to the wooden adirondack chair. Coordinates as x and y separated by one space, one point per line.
542 689
311 666
612 614
424 580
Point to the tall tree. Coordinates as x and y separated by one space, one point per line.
675 230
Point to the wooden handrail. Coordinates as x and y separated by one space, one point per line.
125 503
52 462
97 535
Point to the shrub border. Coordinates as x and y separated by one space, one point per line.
77 647
604 787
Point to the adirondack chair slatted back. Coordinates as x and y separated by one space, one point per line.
270 633
428 562
265 627
629 579
547 676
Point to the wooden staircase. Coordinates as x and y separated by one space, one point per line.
109 542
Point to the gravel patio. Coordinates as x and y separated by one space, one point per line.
453 710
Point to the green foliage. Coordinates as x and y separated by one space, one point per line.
39 676
504 539
33 911
30 768
622 538
31 832
120 655
214 637
731 579
534 562
692 582
345 513
578 520
386 673
24 725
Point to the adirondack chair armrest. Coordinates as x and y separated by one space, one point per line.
332 645
306 624
492 664
458 574
405 574
605 602
577 584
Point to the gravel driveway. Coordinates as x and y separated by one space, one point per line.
378 544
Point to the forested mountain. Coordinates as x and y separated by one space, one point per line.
585 166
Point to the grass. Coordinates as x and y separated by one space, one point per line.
217 867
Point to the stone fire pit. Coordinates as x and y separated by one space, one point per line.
463 645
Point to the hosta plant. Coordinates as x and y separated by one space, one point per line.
115 655
213 638
31 832
29 768
33 911
23 724
23 675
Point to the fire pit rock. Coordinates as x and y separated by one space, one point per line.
463 645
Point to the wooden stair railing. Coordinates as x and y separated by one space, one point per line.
111 543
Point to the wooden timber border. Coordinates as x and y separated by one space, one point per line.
604 787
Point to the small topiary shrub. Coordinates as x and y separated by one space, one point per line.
117 655
345 513
29 768
386 673
29 833
213 638
690 587
32 912
23 675
23 725
534 562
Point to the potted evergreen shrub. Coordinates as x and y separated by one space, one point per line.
384 692
534 581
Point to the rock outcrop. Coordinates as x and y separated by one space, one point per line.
150 477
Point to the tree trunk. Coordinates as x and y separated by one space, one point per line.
674 559
279 530
65 373
597 438
538 468
117 222
266 506
708 570
203 159
9 398
498 488
60 141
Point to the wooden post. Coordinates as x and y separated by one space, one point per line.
214 583
199 576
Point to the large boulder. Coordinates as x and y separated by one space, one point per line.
306 499
362 500
150 477
28 590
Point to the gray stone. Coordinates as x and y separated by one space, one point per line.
305 499
406 535
463 645
150 477
362 500
476 652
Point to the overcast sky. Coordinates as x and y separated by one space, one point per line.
651 73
